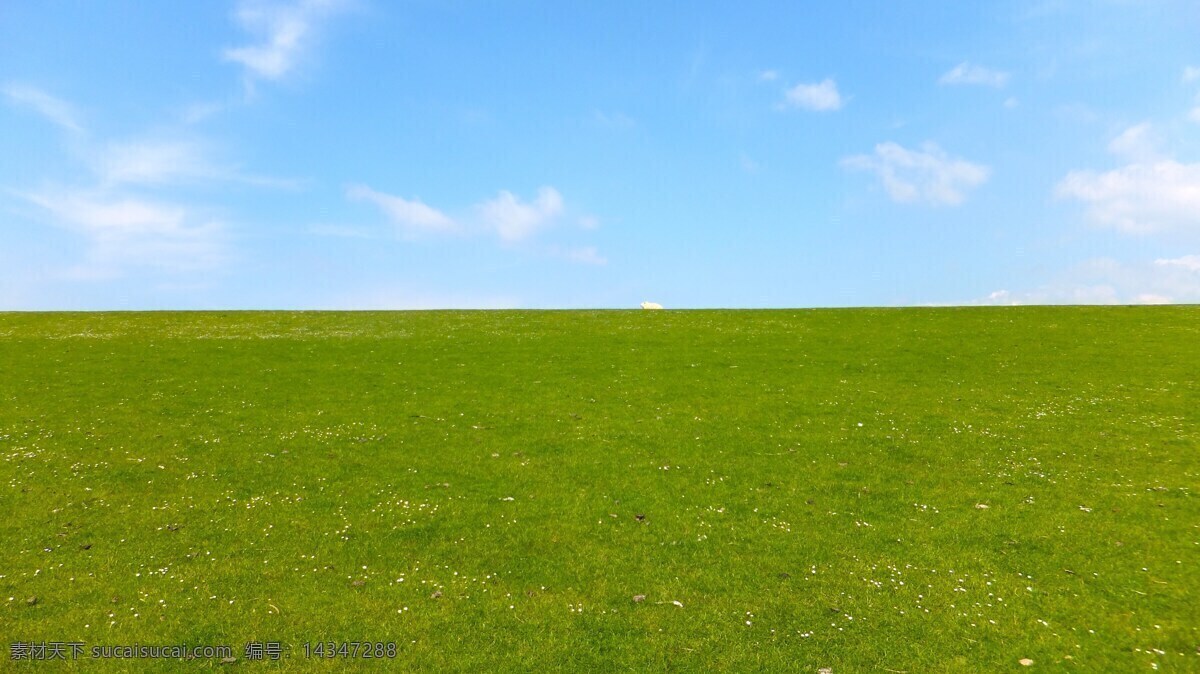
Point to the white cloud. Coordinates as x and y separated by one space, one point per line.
158 161
1138 198
768 75
1194 115
124 228
1080 294
1011 102
412 216
1153 192
1002 297
141 161
53 109
1107 281
126 231
121 230
1191 74
966 73
1137 143
1188 262
822 96
506 215
152 162
928 175
1151 298
514 220
287 31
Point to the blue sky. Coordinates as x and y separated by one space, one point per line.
362 154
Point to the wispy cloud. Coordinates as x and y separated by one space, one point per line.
1188 262
768 75
1138 198
507 217
1138 143
125 231
822 96
126 212
153 162
57 111
1052 294
286 32
158 161
1100 294
1190 74
513 219
413 217
967 73
1108 281
927 175
1152 193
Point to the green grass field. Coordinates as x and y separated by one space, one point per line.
907 490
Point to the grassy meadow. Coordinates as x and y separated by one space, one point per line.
868 490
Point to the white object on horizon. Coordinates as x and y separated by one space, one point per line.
651 305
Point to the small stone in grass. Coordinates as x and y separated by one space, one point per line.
31 601
982 506
640 517
437 594
638 598
1025 662
358 583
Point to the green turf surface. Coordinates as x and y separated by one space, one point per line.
913 490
